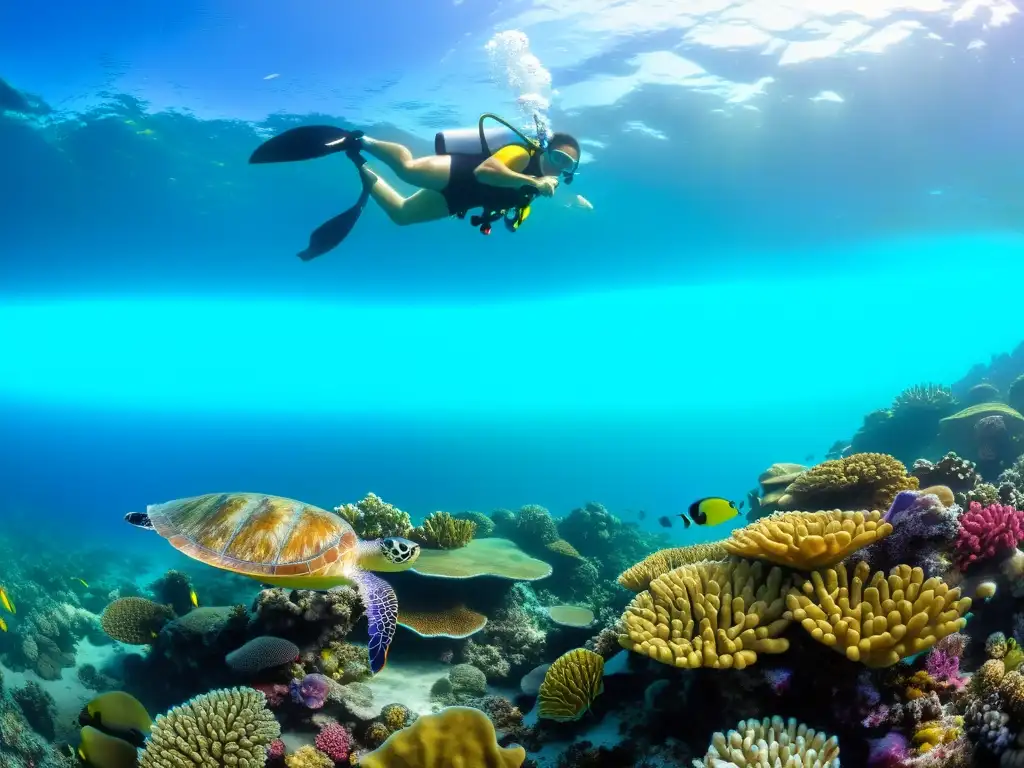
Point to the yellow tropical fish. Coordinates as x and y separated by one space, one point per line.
3 625
194 598
5 601
82 582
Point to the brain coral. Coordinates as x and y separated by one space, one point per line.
807 540
638 577
455 736
134 620
262 653
860 481
873 619
570 685
718 615
771 742
228 727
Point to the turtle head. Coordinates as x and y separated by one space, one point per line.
390 554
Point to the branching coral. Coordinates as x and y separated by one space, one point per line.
638 577
808 540
987 533
771 742
570 685
535 526
134 620
230 727
874 619
442 531
860 481
373 518
718 615
484 524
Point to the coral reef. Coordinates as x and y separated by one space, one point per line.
789 743
639 576
453 737
442 531
987 533
859 481
719 615
570 685
135 620
874 619
227 727
373 518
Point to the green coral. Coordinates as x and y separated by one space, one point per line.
442 531
484 524
373 518
467 680
228 727
135 620
534 525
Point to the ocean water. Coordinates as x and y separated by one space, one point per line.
797 211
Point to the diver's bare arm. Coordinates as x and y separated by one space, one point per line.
495 173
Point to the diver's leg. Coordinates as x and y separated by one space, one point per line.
431 172
423 206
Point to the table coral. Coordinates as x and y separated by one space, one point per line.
570 686
874 619
859 481
987 533
456 736
808 540
771 742
718 615
638 577
458 622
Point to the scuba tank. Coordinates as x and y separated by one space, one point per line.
480 140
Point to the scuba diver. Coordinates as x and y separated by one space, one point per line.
499 170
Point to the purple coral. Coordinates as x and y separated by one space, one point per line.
923 534
889 751
311 690
944 667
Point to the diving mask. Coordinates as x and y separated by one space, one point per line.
562 162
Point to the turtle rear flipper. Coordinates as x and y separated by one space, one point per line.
139 520
381 606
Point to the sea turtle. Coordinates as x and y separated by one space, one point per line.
289 544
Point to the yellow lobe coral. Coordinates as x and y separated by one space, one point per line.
873 619
808 540
442 531
134 620
771 742
455 736
718 615
457 622
932 733
859 481
230 727
639 577
570 685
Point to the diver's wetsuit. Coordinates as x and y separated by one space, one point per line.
465 191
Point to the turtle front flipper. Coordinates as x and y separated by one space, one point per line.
381 606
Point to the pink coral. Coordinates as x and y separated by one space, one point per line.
986 532
335 742
276 750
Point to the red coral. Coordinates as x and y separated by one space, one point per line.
276 693
986 532
335 742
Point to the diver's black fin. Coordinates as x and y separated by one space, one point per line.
306 142
329 235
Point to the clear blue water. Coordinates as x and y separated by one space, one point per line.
780 242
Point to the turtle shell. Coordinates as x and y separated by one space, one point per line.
255 534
